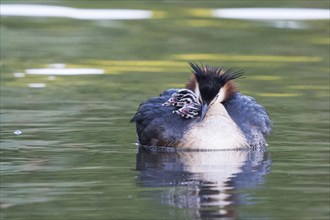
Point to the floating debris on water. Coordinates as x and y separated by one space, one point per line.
18 132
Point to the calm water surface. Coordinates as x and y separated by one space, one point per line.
68 150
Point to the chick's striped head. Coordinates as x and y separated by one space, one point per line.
181 98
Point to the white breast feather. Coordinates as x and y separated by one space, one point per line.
216 131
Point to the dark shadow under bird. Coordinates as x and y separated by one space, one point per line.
209 113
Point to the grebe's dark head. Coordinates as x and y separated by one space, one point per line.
211 84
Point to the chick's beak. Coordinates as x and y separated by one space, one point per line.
205 107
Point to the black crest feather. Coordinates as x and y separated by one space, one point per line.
211 79
220 74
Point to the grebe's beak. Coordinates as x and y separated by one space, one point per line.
205 107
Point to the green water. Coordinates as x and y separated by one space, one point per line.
76 157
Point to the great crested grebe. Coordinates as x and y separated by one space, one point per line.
209 113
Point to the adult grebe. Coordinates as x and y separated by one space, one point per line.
209 113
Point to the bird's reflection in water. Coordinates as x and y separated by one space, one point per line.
205 183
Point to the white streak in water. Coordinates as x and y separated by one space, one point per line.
64 71
75 13
37 85
56 65
272 13
19 75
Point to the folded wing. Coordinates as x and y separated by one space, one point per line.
157 124
251 117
